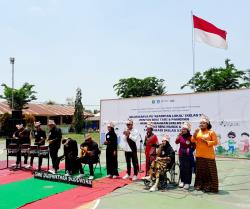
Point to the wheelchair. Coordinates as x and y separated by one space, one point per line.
170 177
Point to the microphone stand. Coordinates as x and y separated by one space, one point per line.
140 170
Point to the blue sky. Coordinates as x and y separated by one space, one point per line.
62 45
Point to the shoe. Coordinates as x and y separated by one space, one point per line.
181 185
148 178
17 166
13 165
134 178
91 178
207 189
198 188
126 176
186 186
52 171
153 188
114 177
28 166
80 175
109 176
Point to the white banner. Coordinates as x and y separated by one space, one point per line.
229 113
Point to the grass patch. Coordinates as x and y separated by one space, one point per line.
80 137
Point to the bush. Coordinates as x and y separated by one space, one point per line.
29 121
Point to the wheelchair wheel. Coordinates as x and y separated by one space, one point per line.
147 183
163 184
175 174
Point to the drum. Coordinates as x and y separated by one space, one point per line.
25 148
12 149
33 150
43 151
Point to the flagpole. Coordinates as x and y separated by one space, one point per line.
193 43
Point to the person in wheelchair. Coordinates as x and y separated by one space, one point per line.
89 155
164 161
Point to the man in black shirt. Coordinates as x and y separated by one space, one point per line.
89 155
23 136
54 139
70 154
40 136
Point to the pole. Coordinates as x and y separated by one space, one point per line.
193 43
141 141
12 61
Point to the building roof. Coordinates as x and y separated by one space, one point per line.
44 110
95 118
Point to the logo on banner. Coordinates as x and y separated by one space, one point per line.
157 101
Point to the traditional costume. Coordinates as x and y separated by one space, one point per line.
206 171
150 143
111 152
165 159
186 157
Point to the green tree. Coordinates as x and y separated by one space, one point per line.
22 96
4 121
219 79
134 87
78 114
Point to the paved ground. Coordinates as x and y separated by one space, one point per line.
234 179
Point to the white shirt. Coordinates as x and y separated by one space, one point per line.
135 136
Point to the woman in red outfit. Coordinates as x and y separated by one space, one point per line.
150 143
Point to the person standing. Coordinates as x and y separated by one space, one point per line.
54 139
23 136
130 140
40 136
206 171
185 155
150 143
111 152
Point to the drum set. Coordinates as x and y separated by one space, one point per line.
14 149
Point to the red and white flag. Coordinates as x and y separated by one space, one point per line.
208 33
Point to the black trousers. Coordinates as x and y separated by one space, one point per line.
54 155
87 160
18 158
71 164
132 156
186 169
40 162
111 162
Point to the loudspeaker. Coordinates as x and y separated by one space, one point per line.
17 114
